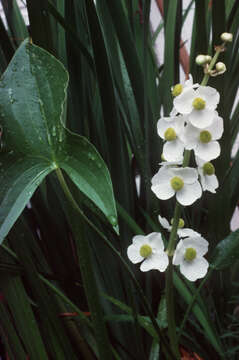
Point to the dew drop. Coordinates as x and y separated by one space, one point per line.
112 219
91 156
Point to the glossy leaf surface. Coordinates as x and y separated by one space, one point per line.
35 142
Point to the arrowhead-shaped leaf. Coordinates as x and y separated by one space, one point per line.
35 142
226 252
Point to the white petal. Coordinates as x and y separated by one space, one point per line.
210 94
162 176
208 151
164 222
199 161
156 242
162 126
183 102
170 119
189 175
170 163
216 129
201 118
133 254
187 232
173 150
189 82
179 123
198 243
189 194
209 183
173 112
139 240
179 253
155 262
163 191
195 269
190 136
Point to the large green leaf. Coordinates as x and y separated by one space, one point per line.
226 252
19 177
35 142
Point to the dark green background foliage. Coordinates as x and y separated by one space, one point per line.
103 136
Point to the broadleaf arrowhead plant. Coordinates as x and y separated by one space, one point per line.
32 106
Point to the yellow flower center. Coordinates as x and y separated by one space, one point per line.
180 223
199 103
170 134
177 183
205 136
190 254
208 169
145 250
177 89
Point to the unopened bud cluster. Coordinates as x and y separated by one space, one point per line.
204 60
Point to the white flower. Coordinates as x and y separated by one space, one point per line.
207 175
182 181
150 250
178 89
169 129
189 255
182 232
202 141
198 104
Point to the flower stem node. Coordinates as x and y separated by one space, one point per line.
199 103
226 37
177 183
201 60
170 134
208 169
145 251
177 89
190 254
205 136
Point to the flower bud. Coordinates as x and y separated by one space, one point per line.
220 67
201 59
226 37
208 58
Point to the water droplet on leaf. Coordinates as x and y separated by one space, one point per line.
112 219
91 156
